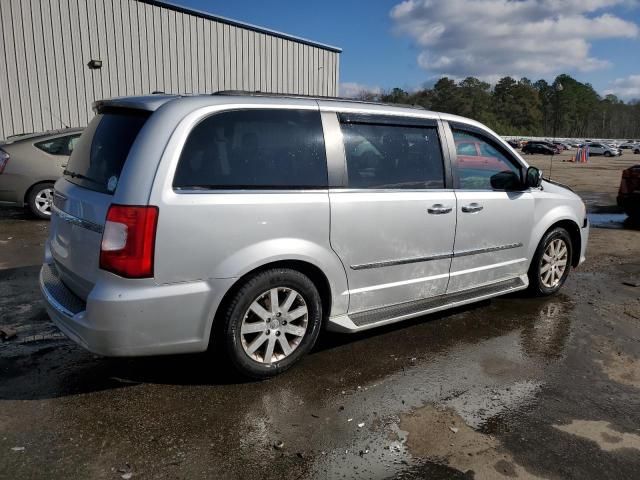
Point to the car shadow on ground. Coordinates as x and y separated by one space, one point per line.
16 213
53 366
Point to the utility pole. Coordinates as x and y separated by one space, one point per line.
557 87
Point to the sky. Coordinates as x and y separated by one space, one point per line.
411 43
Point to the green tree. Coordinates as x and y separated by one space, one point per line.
523 107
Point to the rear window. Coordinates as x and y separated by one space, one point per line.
99 156
254 149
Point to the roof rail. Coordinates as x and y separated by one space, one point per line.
258 93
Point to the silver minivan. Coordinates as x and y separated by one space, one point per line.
247 224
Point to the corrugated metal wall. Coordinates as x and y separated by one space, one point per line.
45 46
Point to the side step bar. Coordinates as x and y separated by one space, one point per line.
356 322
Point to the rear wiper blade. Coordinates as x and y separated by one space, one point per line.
80 176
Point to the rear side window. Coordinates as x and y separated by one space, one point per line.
99 156
390 156
249 149
59 146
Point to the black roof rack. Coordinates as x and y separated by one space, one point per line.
258 93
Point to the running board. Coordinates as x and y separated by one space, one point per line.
376 317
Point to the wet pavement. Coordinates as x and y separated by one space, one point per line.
613 220
510 388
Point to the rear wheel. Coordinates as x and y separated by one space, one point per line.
40 200
551 263
271 322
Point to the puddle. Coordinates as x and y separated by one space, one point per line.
613 220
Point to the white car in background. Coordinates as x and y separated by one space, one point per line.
597 148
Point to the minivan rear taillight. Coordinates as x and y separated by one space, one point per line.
128 241
4 159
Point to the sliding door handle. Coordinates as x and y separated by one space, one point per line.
472 208
438 209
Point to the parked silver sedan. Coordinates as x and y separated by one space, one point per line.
29 166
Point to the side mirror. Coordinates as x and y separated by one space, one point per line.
506 180
534 177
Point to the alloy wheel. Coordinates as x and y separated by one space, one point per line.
554 263
274 325
44 200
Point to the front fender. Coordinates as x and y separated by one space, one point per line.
548 219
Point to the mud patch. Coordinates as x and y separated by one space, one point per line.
601 433
441 435
622 369
619 366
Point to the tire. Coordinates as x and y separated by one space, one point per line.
40 200
273 326
540 284
607 154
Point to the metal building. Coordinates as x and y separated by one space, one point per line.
143 46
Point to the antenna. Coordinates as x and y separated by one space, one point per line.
57 117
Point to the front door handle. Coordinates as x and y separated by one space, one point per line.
472 208
438 209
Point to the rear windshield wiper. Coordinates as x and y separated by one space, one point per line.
81 177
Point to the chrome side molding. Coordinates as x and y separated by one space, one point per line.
462 253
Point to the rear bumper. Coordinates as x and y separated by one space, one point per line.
121 319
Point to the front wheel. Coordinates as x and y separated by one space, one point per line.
607 154
271 322
40 200
551 263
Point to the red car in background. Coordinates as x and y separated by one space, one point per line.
629 192
472 154
478 162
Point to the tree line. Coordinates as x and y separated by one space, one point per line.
565 108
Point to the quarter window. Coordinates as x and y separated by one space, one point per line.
477 161
389 156
59 146
254 149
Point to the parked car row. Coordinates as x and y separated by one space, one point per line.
543 147
596 147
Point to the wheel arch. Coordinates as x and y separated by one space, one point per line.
574 234
315 274
28 191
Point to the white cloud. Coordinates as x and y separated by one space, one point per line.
493 38
353 89
627 88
